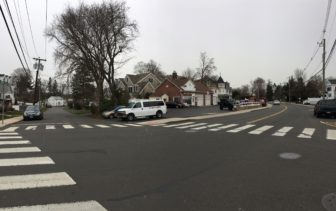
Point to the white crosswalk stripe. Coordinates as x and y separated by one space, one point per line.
10 137
190 126
118 125
307 133
181 124
223 127
19 149
260 130
102 126
283 131
8 134
331 134
26 161
86 126
68 127
30 181
86 205
207 126
158 125
31 128
21 142
236 130
134 125
10 129
50 127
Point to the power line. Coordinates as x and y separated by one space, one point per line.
10 34
31 31
17 36
46 22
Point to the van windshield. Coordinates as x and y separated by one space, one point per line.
130 105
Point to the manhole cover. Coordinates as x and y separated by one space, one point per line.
289 156
329 202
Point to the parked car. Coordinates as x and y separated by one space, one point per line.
325 108
112 113
276 102
226 103
174 105
142 108
32 112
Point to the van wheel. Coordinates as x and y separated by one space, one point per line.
159 114
130 117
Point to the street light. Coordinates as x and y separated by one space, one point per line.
5 79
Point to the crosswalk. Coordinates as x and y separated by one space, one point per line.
11 143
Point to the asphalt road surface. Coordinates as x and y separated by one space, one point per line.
280 158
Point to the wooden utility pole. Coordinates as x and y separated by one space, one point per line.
323 68
37 66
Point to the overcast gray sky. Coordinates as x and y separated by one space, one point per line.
246 38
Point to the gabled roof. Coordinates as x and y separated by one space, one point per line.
220 80
136 78
201 87
179 82
332 81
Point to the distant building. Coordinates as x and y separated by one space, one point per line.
56 101
7 91
331 88
219 88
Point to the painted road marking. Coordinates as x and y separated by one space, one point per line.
181 124
307 133
50 127
14 142
68 127
207 126
26 161
260 130
269 116
86 126
283 131
240 129
331 134
223 127
30 181
8 134
102 126
194 125
10 129
85 205
19 149
117 125
31 128
10 137
134 125
158 125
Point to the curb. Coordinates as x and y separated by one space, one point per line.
11 121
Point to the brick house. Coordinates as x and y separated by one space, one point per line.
184 90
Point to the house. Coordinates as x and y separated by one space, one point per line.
331 88
56 101
140 85
219 88
6 93
184 90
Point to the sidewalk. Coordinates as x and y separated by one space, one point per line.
11 121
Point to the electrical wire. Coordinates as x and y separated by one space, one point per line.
46 22
31 31
10 34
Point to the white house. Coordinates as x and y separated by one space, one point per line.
331 88
56 101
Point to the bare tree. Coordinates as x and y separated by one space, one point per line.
149 67
259 87
189 73
207 66
96 36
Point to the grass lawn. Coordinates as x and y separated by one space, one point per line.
78 112
11 114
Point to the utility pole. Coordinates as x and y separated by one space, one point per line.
37 66
323 69
289 89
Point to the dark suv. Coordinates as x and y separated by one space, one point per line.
325 108
226 103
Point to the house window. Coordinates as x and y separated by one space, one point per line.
130 90
329 89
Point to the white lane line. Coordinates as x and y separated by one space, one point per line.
102 126
10 129
260 130
19 149
8 134
207 126
158 125
283 131
307 133
50 127
117 125
31 128
68 127
26 161
236 130
10 137
331 134
189 126
14 142
181 124
30 181
134 125
223 127
86 126
85 205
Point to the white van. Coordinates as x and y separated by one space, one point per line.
141 108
